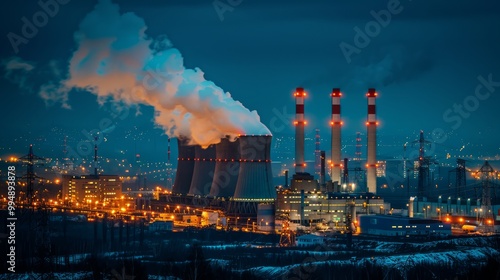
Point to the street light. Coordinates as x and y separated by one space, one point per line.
248 220
237 218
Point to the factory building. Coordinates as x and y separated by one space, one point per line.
306 201
82 189
305 207
388 225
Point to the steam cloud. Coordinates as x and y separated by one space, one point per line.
115 59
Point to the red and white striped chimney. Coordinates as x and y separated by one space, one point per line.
371 156
336 124
299 130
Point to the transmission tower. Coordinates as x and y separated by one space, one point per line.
30 160
358 146
287 237
486 173
423 166
37 220
317 155
460 182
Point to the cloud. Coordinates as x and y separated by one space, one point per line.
116 60
392 66
18 71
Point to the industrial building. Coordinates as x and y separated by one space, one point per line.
320 206
91 188
388 225
308 202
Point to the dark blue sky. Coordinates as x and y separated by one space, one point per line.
425 60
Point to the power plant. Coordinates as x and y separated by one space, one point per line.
235 175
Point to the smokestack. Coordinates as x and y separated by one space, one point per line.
358 146
185 167
317 155
204 170
371 156
299 130
346 172
336 124
227 167
411 207
95 156
255 174
322 170
286 179
169 167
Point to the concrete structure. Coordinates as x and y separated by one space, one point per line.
321 206
204 170
226 168
185 167
336 124
371 124
309 240
266 217
83 189
255 174
388 225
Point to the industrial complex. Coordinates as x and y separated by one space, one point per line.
230 185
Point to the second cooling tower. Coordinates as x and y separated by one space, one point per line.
226 168
255 175
203 173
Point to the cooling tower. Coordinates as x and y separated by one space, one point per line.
204 170
255 175
227 168
185 167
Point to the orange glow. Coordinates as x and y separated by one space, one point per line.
461 220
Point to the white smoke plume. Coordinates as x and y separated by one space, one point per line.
115 59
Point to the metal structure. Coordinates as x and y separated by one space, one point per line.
336 124
30 160
287 236
371 155
37 220
322 178
486 173
424 163
299 123
460 179
358 146
317 155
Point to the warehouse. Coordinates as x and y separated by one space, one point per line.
389 225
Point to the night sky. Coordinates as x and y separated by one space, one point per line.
424 61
